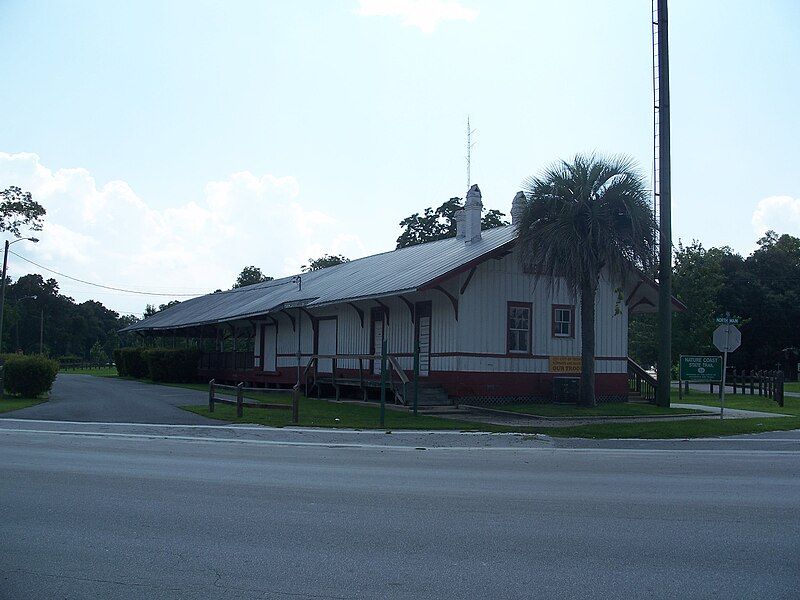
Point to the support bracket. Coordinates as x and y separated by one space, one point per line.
453 299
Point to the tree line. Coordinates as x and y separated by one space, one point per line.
763 288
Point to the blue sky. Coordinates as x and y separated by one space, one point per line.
175 142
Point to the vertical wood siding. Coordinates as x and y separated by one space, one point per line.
480 329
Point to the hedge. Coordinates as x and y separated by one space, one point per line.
131 362
28 376
174 366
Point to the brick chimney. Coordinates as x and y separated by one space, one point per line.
461 216
472 210
517 208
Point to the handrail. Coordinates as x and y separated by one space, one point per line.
396 366
391 360
640 371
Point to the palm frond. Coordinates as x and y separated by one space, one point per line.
585 217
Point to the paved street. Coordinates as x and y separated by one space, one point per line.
143 512
108 399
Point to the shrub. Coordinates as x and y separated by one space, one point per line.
131 362
175 366
28 376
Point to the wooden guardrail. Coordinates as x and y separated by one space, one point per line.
240 402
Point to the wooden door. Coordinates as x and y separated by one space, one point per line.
326 343
269 341
422 335
377 332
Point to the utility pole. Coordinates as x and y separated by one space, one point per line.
3 285
661 60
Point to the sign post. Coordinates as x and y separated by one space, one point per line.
727 338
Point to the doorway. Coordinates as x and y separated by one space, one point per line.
422 335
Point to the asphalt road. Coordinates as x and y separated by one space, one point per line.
105 514
108 399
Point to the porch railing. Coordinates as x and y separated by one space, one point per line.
640 381
397 379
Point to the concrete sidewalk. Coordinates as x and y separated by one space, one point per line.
735 413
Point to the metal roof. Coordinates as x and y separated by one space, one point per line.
389 273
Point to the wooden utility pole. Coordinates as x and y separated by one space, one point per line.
664 205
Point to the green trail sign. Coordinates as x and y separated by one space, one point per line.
701 368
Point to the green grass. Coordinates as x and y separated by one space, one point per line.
8 404
99 372
323 413
678 429
616 409
791 386
791 406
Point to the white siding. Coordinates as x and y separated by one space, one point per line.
480 329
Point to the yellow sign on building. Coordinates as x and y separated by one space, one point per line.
565 364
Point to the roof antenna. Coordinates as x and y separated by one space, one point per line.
470 144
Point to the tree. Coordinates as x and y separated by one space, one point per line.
440 223
583 219
150 309
328 260
249 276
698 280
19 209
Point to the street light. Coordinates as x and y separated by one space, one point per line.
3 287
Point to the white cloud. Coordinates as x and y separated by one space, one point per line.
780 213
110 235
422 14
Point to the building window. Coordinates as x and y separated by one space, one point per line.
563 320
519 327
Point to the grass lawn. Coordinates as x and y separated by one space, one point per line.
7 404
791 386
616 409
99 372
791 406
678 429
322 413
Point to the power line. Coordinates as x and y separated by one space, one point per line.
106 287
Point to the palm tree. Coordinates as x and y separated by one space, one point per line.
583 219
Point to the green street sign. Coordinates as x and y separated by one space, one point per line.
728 320
701 368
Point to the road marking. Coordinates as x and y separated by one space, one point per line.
335 445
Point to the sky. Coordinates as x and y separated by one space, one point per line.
175 142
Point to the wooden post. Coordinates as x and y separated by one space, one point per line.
733 381
779 394
680 390
296 404
383 382
239 408
760 383
211 396
416 377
